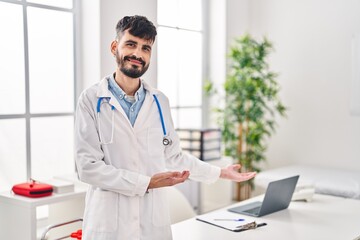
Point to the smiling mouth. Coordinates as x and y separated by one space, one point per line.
135 61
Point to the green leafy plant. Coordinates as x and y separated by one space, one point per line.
251 105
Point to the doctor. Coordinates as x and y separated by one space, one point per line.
127 149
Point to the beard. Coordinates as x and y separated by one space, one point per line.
133 71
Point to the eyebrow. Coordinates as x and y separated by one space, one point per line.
131 41
134 42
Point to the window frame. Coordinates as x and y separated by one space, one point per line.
204 71
28 115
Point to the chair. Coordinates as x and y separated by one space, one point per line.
180 208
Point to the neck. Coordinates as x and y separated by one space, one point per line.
128 85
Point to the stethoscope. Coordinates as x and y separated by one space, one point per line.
166 140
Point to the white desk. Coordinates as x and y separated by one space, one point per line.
18 214
326 217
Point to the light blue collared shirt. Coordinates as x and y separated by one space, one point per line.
130 104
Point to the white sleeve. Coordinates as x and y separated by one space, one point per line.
199 170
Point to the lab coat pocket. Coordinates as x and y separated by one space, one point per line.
161 214
155 145
102 211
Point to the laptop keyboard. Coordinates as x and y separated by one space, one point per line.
254 211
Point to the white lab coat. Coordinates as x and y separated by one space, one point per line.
117 206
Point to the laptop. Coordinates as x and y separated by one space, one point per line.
277 197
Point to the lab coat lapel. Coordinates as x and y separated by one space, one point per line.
147 107
144 112
113 101
105 92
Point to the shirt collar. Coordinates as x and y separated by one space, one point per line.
103 90
139 94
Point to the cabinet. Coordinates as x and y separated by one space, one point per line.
204 144
18 220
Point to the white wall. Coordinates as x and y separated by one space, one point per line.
215 53
90 43
312 40
237 19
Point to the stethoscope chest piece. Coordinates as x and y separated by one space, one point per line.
167 141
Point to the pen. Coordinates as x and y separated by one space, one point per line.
229 219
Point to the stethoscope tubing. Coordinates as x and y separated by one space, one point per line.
112 121
161 115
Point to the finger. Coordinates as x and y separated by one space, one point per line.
175 181
247 176
168 178
240 177
169 175
177 174
163 175
185 173
248 173
183 176
163 178
235 167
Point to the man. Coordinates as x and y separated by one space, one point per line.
127 149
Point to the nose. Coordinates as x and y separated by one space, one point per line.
138 53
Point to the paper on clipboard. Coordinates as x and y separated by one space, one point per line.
234 225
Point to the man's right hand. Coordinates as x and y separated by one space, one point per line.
168 179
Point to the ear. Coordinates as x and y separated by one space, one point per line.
113 47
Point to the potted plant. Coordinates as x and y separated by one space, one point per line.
250 107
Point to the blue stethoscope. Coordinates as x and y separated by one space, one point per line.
166 140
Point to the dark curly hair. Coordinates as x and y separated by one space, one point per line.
138 26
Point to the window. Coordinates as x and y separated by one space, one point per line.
37 94
180 59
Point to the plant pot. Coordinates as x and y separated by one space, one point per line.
243 191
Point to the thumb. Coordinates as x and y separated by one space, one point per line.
235 167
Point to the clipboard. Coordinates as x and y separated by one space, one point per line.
229 221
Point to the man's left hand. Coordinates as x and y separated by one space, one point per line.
232 173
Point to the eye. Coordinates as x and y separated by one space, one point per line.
147 49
